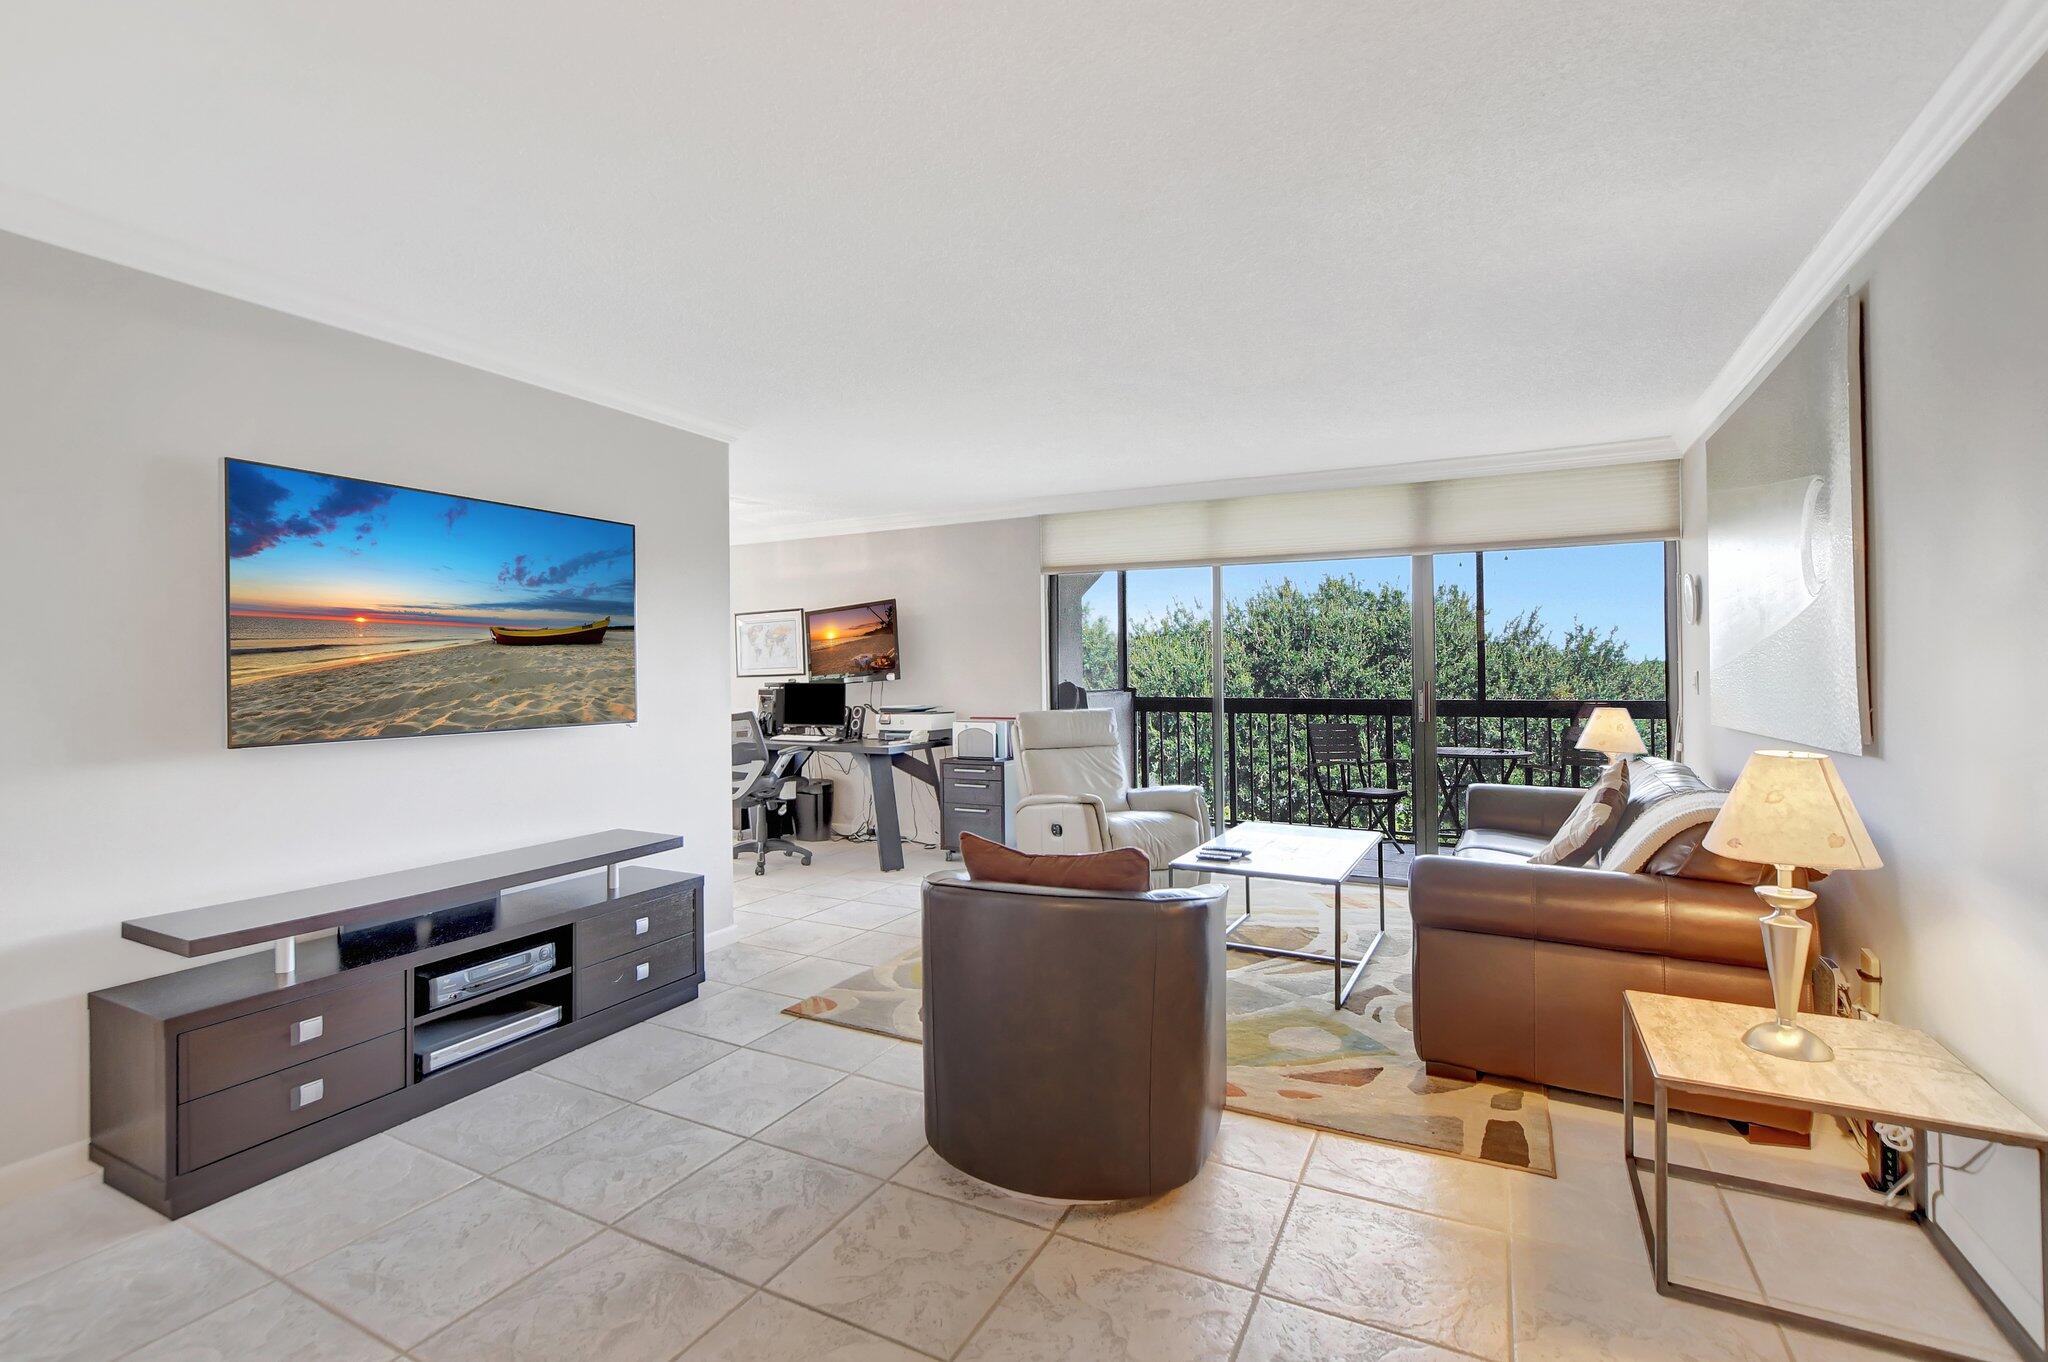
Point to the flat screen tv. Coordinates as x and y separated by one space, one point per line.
360 609
853 642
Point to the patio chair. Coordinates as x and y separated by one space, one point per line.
1342 773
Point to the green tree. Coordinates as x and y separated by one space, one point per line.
1349 640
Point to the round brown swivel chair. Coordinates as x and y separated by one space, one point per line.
1073 1039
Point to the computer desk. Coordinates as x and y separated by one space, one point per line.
881 758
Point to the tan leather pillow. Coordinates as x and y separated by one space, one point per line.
1686 857
1592 824
1124 870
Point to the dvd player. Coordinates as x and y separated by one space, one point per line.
451 1040
464 982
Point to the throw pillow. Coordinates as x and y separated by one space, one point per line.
1637 840
1125 870
1591 825
1651 782
1686 857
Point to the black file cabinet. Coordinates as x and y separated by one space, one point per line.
977 795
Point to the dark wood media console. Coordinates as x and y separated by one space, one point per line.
213 1079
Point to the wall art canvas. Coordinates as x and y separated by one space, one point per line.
769 643
1785 548
361 609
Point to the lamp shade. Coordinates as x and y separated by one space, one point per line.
1610 729
1791 808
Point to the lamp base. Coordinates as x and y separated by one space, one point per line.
1787 1040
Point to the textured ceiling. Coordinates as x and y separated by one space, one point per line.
928 259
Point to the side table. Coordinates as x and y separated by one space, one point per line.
1880 1072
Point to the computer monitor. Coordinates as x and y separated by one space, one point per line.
814 704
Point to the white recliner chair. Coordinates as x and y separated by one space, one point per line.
1077 797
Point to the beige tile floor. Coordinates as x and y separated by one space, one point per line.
726 1183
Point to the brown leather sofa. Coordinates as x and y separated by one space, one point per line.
1073 1039
1519 969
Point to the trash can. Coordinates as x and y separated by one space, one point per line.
814 811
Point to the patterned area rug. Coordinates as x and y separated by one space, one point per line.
1292 1056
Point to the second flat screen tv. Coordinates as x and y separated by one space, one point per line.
366 610
853 642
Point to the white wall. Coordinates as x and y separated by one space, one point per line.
120 394
970 608
1957 381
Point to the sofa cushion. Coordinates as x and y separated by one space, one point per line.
1591 826
1495 844
1492 855
1125 869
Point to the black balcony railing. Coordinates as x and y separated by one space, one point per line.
1268 775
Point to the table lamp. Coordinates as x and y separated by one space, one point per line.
1611 730
1789 809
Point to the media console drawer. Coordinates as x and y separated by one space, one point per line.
219 1056
635 926
614 981
241 1117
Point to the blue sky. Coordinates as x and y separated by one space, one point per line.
1605 585
324 547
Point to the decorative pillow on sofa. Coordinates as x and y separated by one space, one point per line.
1653 826
1125 870
1686 857
1652 781
1591 825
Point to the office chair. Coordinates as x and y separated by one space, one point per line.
762 780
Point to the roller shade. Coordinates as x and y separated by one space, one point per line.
1502 510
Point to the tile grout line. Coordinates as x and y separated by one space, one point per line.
1003 1294
812 1243
1266 1268
1388 1329
238 1297
115 1242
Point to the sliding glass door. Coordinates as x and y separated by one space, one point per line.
1527 642
1317 677
1449 670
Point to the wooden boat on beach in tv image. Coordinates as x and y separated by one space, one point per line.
592 632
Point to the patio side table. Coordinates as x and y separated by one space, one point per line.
1458 767
1880 1072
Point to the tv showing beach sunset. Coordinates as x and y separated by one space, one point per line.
856 642
363 610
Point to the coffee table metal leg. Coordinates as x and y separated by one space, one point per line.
1243 917
1337 946
1344 985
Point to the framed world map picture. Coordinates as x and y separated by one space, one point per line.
768 643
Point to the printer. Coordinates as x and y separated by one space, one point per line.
907 723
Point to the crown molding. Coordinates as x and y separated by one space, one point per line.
1426 470
59 224
2002 54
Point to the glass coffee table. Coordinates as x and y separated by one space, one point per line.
1302 855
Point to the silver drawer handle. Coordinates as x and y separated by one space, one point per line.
640 971
639 926
977 813
971 784
306 1094
312 1028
